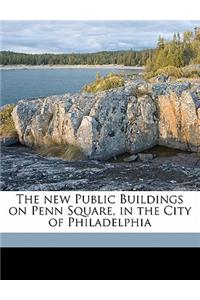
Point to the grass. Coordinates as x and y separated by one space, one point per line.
104 83
65 151
149 75
7 127
170 71
192 74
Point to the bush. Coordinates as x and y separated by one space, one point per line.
174 72
149 75
191 73
104 83
7 127
170 71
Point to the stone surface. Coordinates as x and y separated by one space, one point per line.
9 141
103 125
128 119
24 170
161 78
131 158
145 157
179 121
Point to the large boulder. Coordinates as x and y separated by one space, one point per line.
102 125
128 119
179 120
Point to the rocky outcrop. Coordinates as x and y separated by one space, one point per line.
128 119
179 122
179 116
103 125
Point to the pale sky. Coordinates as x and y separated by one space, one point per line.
86 36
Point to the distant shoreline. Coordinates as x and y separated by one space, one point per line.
41 67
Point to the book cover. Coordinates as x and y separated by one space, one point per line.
100 141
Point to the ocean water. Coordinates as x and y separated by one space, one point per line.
25 84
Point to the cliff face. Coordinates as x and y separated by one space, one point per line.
179 122
178 112
128 119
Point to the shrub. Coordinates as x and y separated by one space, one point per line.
170 71
104 83
98 76
149 75
192 73
7 127
174 72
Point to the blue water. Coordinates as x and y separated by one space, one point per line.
21 84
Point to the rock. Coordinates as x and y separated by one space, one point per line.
9 141
22 169
145 157
179 121
198 104
166 88
102 125
129 119
161 78
173 181
130 158
2 185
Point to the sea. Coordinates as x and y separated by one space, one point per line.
16 84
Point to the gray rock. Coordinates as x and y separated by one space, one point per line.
128 119
197 103
24 170
145 157
102 125
9 141
161 78
131 158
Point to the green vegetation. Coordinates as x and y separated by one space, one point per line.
191 72
64 151
170 71
127 58
104 83
171 56
174 72
7 128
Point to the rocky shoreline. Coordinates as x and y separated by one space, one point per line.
122 121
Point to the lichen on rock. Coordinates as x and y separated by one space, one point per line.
127 119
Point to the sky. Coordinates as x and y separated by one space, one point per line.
86 36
